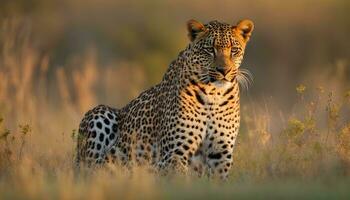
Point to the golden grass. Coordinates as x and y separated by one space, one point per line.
278 153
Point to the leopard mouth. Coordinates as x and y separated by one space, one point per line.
222 76
213 79
216 77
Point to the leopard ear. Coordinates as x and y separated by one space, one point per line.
195 29
245 28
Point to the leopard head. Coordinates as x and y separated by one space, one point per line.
216 50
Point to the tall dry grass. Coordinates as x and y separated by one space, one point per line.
41 105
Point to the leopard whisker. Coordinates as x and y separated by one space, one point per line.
244 78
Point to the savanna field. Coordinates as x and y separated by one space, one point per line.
60 59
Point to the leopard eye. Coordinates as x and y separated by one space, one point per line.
209 50
234 50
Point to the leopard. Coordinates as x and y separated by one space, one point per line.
188 121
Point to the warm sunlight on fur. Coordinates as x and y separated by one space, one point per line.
57 62
192 114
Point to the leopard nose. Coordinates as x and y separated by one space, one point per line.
222 70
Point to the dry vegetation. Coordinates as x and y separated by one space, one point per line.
303 152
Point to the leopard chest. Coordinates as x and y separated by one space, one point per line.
210 111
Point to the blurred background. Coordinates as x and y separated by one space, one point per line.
291 40
60 58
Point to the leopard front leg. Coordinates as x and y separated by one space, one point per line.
177 149
218 152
